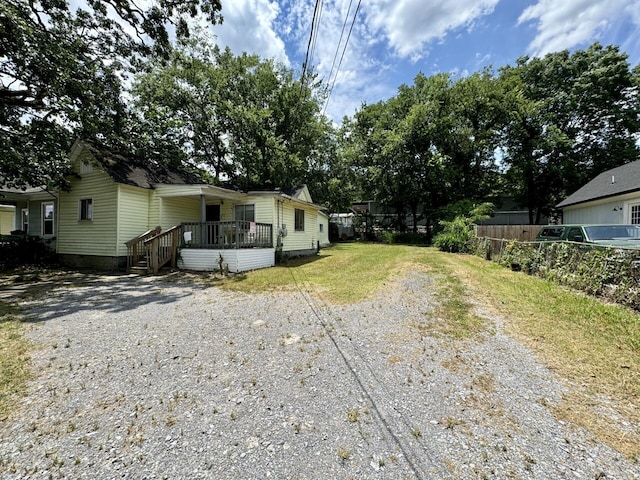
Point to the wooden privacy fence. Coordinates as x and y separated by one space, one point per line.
521 233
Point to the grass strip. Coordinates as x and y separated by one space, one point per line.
594 345
14 371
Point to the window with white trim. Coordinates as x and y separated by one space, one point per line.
24 222
246 213
634 214
85 209
47 219
299 220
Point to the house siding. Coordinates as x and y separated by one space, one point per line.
154 209
7 219
301 242
613 210
264 209
240 260
133 215
88 237
602 213
323 236
176 210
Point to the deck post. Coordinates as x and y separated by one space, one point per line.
203 220
155 244
174 247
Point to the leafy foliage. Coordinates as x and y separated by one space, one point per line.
458 233
569 117
246 120
612 273
61 72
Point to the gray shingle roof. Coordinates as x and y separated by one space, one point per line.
619 180
131 171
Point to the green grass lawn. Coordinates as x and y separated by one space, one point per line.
346 272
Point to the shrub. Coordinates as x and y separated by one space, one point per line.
608 272
405 238
457 234
16 250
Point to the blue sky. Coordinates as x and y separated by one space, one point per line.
393 40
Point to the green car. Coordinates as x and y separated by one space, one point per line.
611 235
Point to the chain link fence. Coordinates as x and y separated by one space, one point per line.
609 272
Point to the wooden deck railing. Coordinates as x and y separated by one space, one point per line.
162 248
234 234
136 250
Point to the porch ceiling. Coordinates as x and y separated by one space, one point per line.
195 191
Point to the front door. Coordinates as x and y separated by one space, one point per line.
213 230
213 213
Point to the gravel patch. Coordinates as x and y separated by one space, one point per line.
147 379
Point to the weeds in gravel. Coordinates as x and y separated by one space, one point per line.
353 415
14 349
450 422
344 454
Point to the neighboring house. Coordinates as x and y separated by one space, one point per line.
323 229
344 224
508 212
7 219
613 197
31 211
108 219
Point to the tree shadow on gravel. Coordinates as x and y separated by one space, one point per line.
58 293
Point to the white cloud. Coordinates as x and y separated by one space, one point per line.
634 11
566 24
410 25
248 27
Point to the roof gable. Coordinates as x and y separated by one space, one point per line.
617 181
132 171
299 192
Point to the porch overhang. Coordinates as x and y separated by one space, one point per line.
198 191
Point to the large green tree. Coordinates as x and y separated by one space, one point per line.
246 120
432 144
61 72
569 117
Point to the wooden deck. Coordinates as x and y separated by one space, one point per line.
226 235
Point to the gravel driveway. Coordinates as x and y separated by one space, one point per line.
144 378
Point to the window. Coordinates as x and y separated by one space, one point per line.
321 228
246 213
635 214
299 224
86 209
575 235
25 220
47 219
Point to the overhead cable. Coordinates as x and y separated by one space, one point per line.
355 15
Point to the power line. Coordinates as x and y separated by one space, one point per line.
344 26
315 34
307 57
355 16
